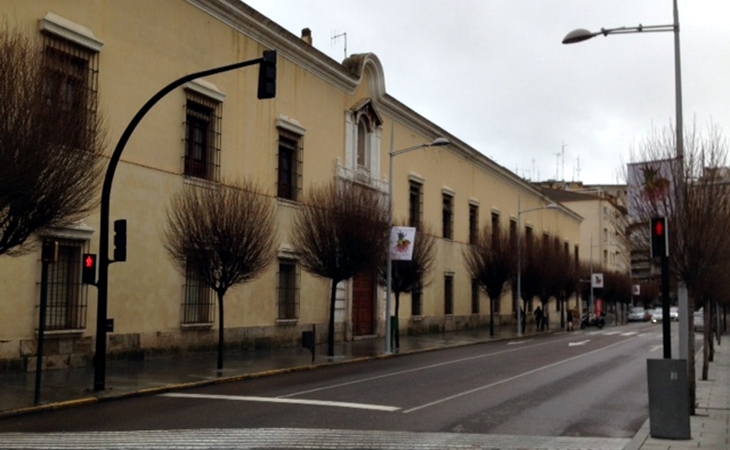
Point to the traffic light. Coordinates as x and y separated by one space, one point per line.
659 237
267 75
120 240
88 268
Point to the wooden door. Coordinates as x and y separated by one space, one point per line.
363 303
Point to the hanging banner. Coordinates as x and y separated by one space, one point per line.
597 280
401 243
650 187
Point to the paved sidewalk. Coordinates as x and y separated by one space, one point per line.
710 427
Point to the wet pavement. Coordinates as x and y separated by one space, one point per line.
710 427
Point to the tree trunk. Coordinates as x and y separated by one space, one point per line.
491 317
331 327
221 329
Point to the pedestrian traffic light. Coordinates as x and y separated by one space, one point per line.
120 240
267 75
659 237
88 268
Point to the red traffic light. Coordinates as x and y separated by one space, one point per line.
88 269
659 228
659 238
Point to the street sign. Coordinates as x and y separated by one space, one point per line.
597 280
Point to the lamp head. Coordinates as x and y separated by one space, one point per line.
439 142
579 35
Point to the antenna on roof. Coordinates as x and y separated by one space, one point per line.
335 36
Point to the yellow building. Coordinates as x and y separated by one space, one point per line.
328 120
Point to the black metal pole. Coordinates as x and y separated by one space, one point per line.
41 331
666 331
103 282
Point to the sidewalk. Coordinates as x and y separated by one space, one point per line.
710 427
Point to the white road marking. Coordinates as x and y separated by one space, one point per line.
506 380
610 333
520 342
630 333
572 344
242 398
655 348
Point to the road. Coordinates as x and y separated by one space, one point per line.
590 383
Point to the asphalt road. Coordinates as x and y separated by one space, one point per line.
586 383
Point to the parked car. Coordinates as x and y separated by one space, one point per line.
639 314
673 313
699 320
656 315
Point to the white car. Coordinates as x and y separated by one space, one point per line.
656 315
639 314
673 313
699 320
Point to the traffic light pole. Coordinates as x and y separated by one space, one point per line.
104 261
666 320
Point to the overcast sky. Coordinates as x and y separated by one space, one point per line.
495 74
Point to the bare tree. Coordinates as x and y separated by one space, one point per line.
491 260
223 235
50 142
695 198
341 229
409 276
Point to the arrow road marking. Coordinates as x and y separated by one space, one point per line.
655 348
572 344
241 398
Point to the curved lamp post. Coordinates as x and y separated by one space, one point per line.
519 258
580 35
438 142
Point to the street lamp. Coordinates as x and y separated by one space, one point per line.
438 142
519 258
580 35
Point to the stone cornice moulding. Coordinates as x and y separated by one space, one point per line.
71 31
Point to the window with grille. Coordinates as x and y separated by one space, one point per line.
70 82
473 223
475 291
290 166
202 137
199 301
417 301
288 290
66 301
447 216
415 202
448 294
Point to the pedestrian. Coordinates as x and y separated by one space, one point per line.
570 320
539 318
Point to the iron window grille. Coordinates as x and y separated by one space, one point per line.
448 294
415 203
473 224
202 137
448 216
70 82
198 305
66 300
288 301
289 171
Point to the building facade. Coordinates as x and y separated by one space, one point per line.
329 120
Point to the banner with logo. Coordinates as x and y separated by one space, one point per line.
597 280
401 243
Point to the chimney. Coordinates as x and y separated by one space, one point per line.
307 35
